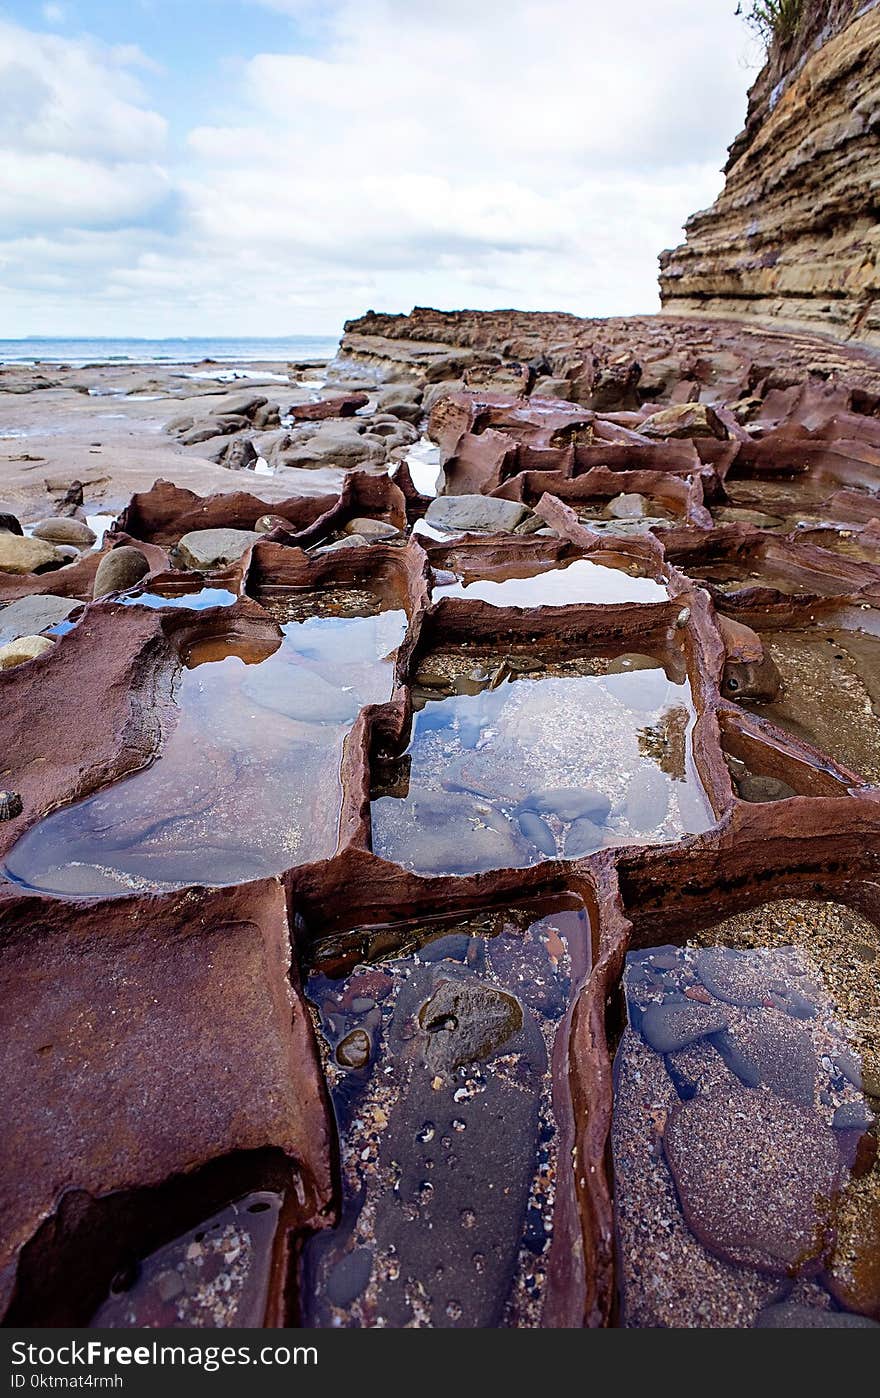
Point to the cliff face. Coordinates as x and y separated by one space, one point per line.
794 238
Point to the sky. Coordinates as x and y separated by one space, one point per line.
272 167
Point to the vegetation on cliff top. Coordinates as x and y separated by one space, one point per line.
777 21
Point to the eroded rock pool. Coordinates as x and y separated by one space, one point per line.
246 782
556 762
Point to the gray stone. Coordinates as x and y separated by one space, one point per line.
479 514
853 1116
240 455
348 1278
202 549
740 977
466 1021
31 615
647 799
570 803
119 570
538 833
548 387
627 506
370 528
758 789
243 404
787 1315
304 695
769 1206
10 524
350 541
583 837
65 530
671 1026
781 1058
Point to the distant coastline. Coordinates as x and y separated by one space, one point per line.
184 350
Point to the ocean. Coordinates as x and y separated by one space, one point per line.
188 350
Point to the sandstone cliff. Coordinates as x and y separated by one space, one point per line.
794 237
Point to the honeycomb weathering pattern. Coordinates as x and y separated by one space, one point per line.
210 1076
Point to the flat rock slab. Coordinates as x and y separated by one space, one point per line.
757 1177
202 549
197 1045
479 514
31 615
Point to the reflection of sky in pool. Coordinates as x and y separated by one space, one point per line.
580 581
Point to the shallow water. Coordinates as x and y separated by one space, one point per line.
831 693
423 460
438 1059
215 1275
198 599
247 780
530 585
738 1116
544 767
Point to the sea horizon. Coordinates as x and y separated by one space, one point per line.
78 351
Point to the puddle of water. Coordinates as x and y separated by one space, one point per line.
831 693
214 1276
746 1187
439 1068
99 524
198 599
244 785
528 768
535 585
423 460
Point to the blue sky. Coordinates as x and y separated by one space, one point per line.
272 166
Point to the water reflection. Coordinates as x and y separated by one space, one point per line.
533 768
535 585
247 781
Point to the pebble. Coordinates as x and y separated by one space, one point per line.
465 1021
768 1207
20 555
119 570
354 1050
570 803
583 837
737 977
787 1315
538 832
348 1278
370 528
65 530
667 1027
23 649
758 789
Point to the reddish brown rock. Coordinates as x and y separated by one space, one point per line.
346 405
195 1055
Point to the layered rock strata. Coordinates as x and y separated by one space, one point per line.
794 237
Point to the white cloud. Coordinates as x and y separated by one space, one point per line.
512 152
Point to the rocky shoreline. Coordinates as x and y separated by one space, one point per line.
470 697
